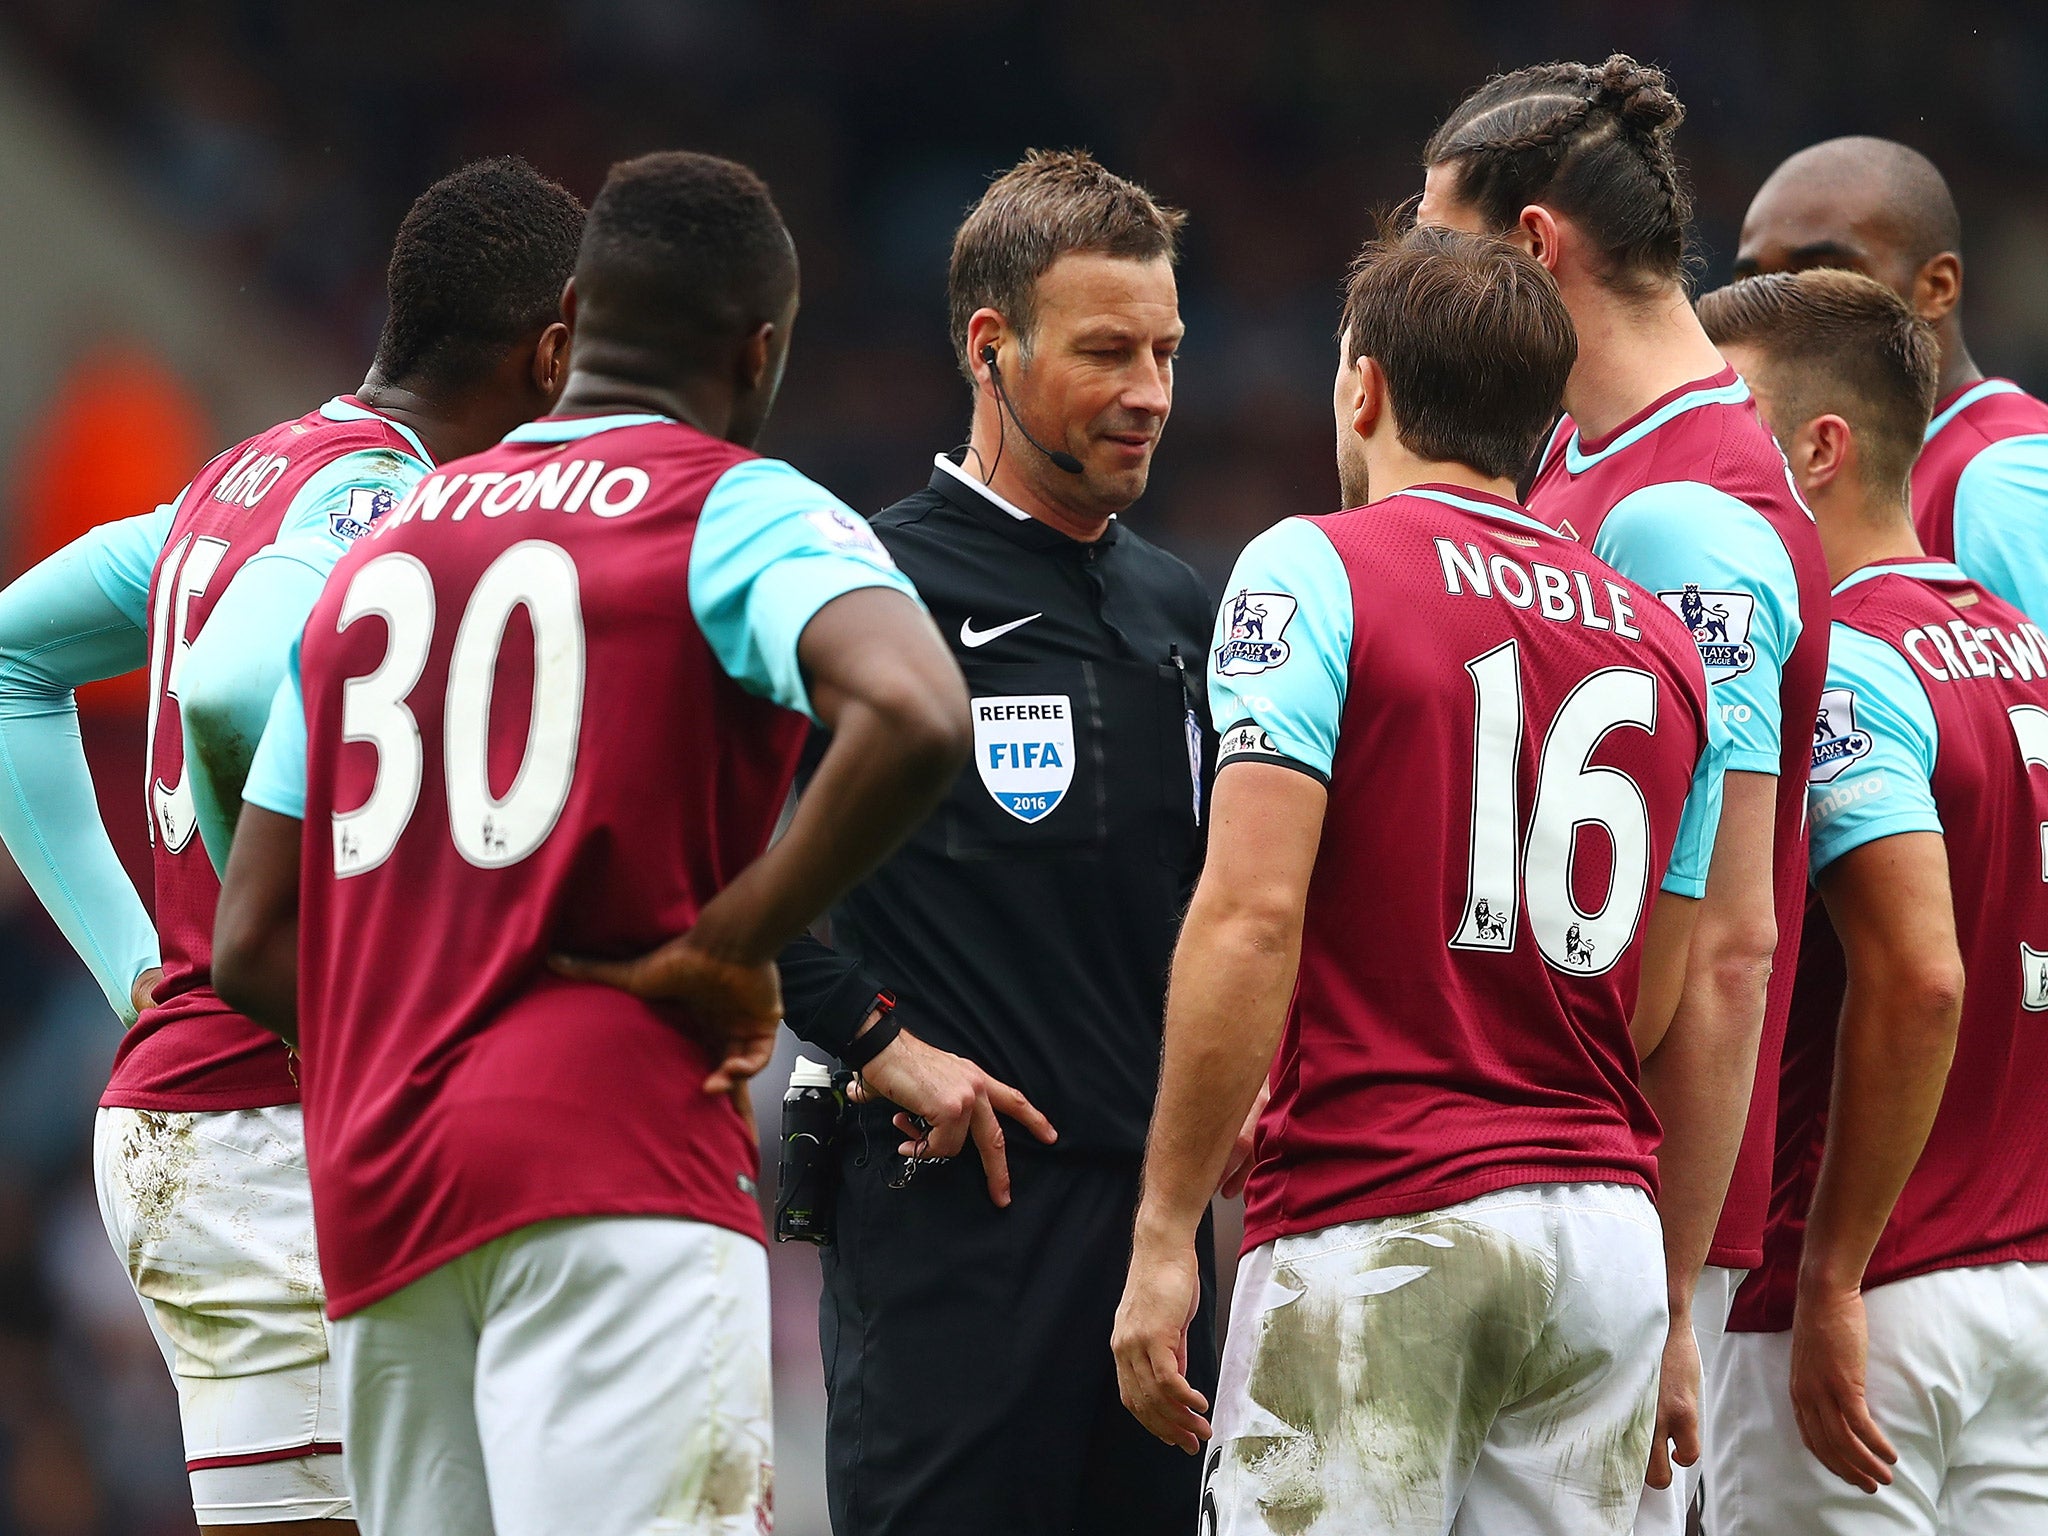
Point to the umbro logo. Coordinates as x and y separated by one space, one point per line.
974 638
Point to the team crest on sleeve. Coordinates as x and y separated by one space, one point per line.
1255 639
366 503
1719 622
850 535
1024 751
1836 741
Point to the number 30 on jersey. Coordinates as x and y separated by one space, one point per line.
489 831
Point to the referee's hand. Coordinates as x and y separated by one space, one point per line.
957 1098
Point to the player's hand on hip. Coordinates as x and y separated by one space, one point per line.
1830 1352
1239 1168
143 993
1677 1437
957 1099
732 1009
1150 1342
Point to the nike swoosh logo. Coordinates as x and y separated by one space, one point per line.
972 637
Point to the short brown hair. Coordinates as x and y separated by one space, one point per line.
1052 203
1474 340
1838 342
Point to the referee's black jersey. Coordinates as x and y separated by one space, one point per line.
1028 925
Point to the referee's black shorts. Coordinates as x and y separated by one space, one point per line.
972 1392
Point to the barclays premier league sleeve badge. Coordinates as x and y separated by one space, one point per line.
1719 622
1257 627
1024 751
1836 741
366 503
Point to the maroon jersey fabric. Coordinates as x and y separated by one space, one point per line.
455 1088
1979 1193
1708 434
191 1051
1441 1043
1989 419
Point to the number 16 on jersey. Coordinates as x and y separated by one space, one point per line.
1513 871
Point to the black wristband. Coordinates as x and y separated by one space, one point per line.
865 1047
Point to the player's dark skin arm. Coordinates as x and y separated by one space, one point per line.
256 924
884 684
1889 901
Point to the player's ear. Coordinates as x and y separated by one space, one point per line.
1822 452
986 328
1372 396
1536 232
1938 287
551 361
757 356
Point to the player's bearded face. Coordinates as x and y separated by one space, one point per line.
1352 480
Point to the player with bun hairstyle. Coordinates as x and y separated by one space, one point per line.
1664 467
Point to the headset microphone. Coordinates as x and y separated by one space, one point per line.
1058 460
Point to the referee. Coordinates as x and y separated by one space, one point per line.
1020 940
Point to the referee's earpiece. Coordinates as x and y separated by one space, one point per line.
1058 459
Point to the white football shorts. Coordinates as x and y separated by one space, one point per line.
607 1376
211 1215
1957 1378
1484 1368
1663 1510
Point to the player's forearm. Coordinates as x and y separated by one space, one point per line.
1699 1082
58 630
256 923
887 767
1897 1037
227 683
1233 974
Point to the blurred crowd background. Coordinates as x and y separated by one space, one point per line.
196 197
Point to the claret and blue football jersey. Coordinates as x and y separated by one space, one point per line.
552 703
1519 754
1934 719
1980 490
1692 497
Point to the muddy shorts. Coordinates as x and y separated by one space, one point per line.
606 1376
212 1217
1490 1367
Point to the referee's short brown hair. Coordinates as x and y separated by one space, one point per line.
1052 203
1838 343
1474 340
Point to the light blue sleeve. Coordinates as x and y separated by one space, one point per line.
2001 526
1282 654
122 557
1723 570
277 777
232 672
772 548
1692 853
1874 749
79 616
336 506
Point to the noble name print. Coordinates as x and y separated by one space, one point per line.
1024 751
1719 622
1836 741
1256 639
